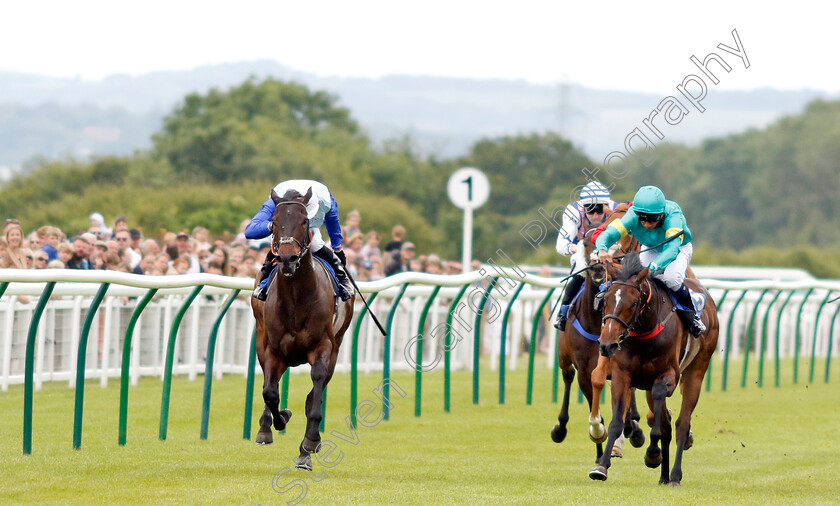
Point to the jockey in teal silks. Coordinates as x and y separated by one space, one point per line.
578 217
321 209
652 220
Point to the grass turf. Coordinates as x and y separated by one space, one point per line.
752 446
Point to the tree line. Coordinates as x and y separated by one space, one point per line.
762 197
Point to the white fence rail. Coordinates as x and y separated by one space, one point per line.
61 324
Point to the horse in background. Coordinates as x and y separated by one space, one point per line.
662 355
577 347
301 321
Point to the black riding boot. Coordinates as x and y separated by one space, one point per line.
568 295
259 293
343 279
690 319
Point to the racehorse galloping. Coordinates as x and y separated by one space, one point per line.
577 347
663 355
301 321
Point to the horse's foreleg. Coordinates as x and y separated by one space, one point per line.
597 432
660 390
273 370
620 384
558 433
320 373
631 425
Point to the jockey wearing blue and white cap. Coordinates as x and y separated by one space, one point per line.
652 220
321 209
577 219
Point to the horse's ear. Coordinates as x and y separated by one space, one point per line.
275 197
308 195
643 274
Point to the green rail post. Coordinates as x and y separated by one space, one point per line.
764 340
748 337
814 343
29 372
354 360
447 350
208 364
126 359
718 305
532 348
830 341
170 357
477 336
729 338
503 344
249 386
323 410
80 364
418 364
3 287
555 375
386 357
796 341
778 334
284 392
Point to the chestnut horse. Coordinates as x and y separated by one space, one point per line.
301 321
662 355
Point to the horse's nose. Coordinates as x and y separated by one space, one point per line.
608 350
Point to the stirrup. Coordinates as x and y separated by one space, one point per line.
347 290
697 327
560 322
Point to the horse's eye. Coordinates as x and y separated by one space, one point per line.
293 258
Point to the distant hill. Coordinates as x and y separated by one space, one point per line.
50 117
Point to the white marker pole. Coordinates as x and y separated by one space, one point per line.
466 255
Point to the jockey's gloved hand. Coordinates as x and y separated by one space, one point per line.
655 270
341 256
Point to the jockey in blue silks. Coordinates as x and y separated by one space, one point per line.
652 220
577 219
321 209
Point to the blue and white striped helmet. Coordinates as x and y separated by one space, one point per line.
594 193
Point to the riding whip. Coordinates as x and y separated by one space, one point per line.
370 311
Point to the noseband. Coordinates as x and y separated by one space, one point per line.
640 306
291 240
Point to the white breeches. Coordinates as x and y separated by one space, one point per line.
674 274
317 241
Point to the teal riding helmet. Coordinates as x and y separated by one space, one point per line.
649 200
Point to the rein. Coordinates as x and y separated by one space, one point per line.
640 307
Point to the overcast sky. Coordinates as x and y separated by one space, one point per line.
641 46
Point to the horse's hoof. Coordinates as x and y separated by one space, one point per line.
637 437
598 473
617 452
689 442
674 484
281 421
264 438
597 433
558 434
653 457
304 463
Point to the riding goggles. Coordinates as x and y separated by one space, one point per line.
594 208
649 217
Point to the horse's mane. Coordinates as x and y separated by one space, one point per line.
630 266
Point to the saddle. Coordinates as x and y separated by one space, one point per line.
326 266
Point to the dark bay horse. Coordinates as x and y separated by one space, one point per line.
301 321
663 355
577 347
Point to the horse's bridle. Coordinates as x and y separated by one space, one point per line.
640 306
291 240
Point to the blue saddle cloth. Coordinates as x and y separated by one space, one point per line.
576 323
324 263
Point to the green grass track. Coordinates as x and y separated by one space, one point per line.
752 446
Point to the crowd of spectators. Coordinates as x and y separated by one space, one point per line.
124 248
